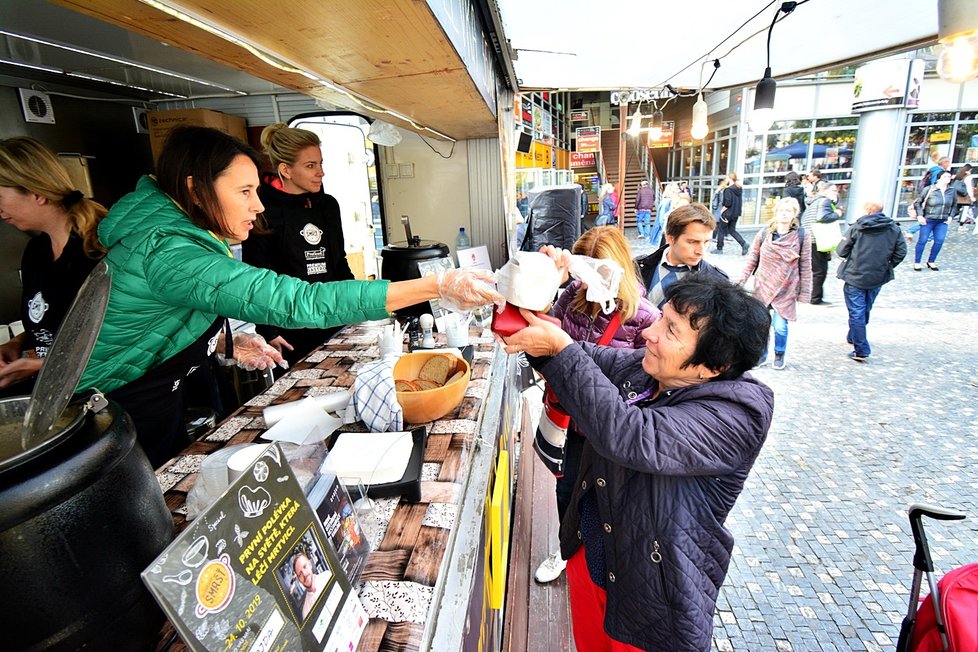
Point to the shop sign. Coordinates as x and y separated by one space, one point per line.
542 155
582 159
580 116
588 139
890 84
639 95
939 137
667 136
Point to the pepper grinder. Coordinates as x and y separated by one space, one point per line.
427 337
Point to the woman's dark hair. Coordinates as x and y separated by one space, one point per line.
202 154
963 171
732 325
792 179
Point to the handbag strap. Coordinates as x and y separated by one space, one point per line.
611 329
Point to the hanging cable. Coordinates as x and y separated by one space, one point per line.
711 50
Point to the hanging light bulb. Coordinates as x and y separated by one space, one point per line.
635 124
958 33
763 113
655 129
700 128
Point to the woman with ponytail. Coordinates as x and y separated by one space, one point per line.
302 234
37 195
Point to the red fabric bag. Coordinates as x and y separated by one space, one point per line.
958 592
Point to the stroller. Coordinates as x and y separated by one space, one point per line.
948 620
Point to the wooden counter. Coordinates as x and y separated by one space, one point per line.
422 569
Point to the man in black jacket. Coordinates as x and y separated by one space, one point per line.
872 247
732 208
688 232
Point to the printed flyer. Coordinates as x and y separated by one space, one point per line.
336 512
257 572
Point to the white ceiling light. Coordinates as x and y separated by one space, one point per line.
958 33
119 60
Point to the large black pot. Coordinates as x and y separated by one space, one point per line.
80 517
400 263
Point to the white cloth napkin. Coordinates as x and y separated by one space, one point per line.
375 397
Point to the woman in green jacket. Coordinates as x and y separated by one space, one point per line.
174 282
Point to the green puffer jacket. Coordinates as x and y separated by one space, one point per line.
171 280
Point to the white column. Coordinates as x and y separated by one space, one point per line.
876 164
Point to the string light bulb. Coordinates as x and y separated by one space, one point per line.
700 128
958 33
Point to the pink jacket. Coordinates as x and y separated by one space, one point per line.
782 270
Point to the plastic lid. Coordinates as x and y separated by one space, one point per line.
67 359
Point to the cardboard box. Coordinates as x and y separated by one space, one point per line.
161 122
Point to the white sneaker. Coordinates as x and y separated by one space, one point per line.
550 569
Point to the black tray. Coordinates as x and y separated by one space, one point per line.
409 486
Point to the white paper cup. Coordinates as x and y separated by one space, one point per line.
243 459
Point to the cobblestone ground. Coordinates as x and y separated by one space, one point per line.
823 559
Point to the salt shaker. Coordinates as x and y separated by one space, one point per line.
428 339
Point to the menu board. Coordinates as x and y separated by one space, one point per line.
256 571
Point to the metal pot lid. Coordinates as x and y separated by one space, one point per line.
421 244
67 358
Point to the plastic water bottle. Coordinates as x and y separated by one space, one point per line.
462 240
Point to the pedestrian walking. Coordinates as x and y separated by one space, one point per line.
934 208
608 205
822 209
662 211
780 260
964 195
732 205
872 247
644 202
716 203
811 185
794 189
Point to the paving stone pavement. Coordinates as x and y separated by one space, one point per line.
823 556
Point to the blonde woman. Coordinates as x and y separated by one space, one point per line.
780 259
303 234
37 195
584 321
662 212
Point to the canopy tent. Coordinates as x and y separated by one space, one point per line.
622 44
799 149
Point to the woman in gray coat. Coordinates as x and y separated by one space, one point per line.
672 432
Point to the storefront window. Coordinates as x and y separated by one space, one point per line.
932 117
749 206
836 122
723 158
966 144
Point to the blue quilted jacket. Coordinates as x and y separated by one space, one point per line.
665 475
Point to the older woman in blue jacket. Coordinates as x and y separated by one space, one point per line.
672 433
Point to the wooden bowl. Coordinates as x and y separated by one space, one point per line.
429 404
